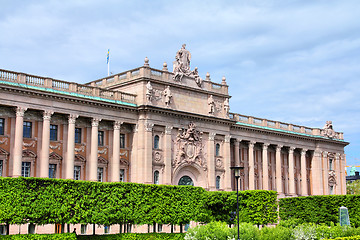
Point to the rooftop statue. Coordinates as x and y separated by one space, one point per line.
328 130
182 66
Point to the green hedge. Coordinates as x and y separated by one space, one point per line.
133 236
320 209
348 238
63 236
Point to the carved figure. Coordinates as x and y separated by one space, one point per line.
226 106
328 130
183 56
211 104
149 91
167 96
198 79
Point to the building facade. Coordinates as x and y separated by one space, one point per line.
159 127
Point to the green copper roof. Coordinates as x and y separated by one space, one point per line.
68 93
285 131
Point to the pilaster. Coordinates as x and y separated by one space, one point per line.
167 155
227 176
211 161
148 138
316 173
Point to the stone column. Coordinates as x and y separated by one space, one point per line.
115 168
135 157
325 173
342 173
265 168
291 172
93 163
337 172
304 190
279 188
316 174
70 156
44 161
227 175
251 166
148 169
18 143
211 161
167 156
237 150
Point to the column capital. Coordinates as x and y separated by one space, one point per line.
117 125
95 122
47 114
279 147
265 146
148 126
20 111
291 150
303 152
168 130
237 141
212 136
72 118
227 138
135 128
325 154
252 144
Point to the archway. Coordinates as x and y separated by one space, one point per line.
186 180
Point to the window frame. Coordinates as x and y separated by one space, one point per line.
122 140
100 174
28 165
156 142
27 129
218 182
217 149
2 126
53 169
53 128
122 175
101 138
78 135
156 178
75 170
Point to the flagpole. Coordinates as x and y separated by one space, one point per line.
109 68
108 61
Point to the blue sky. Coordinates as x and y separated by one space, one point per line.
285 60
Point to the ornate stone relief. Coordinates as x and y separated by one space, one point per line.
157 157
332 178
219 164
189 147
148 126
56 146
102 160
20 111
80 149
47 115
328 131
102 151
125 153
4 140
30 144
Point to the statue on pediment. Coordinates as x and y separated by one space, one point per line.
211 104
167 96
328 130
149 91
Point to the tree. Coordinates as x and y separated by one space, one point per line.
353 187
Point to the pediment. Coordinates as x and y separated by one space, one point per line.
55 156
28 153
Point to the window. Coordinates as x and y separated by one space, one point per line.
27 129
159 227
156 177
1 168
217 182
53 132
52 170
106 229
217 149
59 228
156 142
2 229
100 172
331 164
122 175
77 135
77 170
83 228
25 169
331 190
101 138
31 228
122 140
2 126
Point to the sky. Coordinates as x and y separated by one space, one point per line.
295 61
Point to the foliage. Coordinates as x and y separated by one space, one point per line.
134 236
258 207
290 223
353 187
275 233
63 236
213 230
247 231
320 209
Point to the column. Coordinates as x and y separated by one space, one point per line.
265 166
342 173
135 157
167 156
304 190
18 143
237 150
69 173
278 170
148 156
251 166
93 163
44 161
115 168
211 161
316 174
337 172
325 173
227 176
291 172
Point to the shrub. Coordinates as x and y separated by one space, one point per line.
63 236
213 230
134 236
290 223
247 231
275 233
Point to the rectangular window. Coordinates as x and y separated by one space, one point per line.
2 229
1 168
53 132
331 190
122 175
25 169
106 229
100 174
122 140
159 227
77 170
27 129
83 228
331 164
77 135
2 126
101 138
52 170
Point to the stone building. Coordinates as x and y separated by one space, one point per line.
156 126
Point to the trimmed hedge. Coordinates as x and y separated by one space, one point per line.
320 209
348 238
63 236
133 236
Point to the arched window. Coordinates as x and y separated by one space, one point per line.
186 180
156 177
217 183
217 149
156 141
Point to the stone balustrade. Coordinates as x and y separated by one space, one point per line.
48 83
281 126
